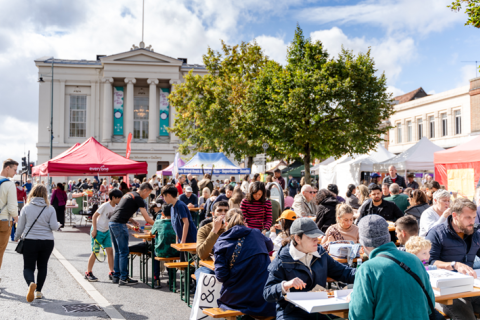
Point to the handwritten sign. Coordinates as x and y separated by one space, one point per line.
206 296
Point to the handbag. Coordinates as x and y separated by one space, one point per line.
434 313
19 247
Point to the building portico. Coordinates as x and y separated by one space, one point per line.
110 97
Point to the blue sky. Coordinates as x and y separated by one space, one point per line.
416 43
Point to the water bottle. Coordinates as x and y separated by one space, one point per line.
431 267
359 262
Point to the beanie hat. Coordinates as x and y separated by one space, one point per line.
373 231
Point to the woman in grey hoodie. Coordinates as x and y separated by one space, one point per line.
38 235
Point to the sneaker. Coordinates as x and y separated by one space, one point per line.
111 276
157 284
115 279
127 282
38 295
90 277
31 292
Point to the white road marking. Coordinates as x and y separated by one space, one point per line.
89 288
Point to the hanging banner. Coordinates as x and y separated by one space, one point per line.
164 111
118 111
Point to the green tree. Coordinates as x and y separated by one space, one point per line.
472 9
208 106
318 107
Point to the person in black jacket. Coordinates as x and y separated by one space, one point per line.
326 202
376 205
394 178
193 184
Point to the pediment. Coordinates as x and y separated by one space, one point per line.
141 56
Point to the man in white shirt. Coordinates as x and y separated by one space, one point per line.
8 203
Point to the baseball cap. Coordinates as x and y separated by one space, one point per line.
188 189
374 175
288 215
306 226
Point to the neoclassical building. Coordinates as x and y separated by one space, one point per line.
109 97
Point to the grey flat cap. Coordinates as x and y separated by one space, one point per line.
306 226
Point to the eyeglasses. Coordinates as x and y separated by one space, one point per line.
312 192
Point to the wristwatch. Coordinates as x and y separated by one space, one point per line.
453 264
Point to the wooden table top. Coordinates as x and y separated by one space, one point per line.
342 260
391 226
194 209
210 264
143 236
185 247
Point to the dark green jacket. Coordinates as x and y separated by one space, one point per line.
164 237
401 200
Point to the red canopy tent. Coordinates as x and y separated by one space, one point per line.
459 168
89 158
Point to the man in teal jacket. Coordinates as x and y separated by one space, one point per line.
382 289
400 199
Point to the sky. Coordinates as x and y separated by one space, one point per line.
416 43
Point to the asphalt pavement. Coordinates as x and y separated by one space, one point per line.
63 292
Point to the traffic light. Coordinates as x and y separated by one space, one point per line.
24 163
30 168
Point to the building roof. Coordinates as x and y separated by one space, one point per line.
412 95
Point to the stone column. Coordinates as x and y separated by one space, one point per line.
450 122
61 114
425 125
152 111
93 108
172 109
107 122
437 124
128 108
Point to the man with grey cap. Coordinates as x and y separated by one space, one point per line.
301 264
383 290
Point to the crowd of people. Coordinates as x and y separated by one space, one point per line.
240 227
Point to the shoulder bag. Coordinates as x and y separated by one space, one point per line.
19 247
414 276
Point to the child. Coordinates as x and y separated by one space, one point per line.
286 220
419 247
100 231
164 237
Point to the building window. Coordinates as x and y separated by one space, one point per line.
444 125
420 128
140 117
432 127
399 133
458 122
78 116
409 131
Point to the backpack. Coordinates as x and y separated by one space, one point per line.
294 184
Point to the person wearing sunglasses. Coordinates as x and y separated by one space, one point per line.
304 203
208 235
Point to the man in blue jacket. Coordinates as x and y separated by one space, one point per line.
383 290
455 243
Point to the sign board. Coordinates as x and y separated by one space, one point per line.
118 111
206 295
261 156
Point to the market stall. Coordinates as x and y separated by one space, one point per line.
458 169
168 170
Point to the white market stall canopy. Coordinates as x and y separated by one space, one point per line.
348 169
417 157
218 161
315 169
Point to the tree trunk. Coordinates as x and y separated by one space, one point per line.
306 162
250 162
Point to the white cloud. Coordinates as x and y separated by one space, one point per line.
389 54
274 48
467 73
17 137
414 16
395 91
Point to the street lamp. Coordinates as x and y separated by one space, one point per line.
40 79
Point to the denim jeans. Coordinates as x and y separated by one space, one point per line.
203 270
119 234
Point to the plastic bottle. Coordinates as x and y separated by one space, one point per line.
359 262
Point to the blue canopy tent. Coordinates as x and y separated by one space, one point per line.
219 162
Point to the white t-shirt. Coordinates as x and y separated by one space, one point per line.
105 211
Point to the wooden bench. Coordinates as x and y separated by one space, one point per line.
131 257
218 313
167 259
171 284
172 274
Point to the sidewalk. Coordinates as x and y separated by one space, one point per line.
133 302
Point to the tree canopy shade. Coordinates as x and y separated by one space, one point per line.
472 9
208 106
317 106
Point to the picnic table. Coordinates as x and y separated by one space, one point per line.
191 250
149 239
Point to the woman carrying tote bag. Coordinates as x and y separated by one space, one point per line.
35 225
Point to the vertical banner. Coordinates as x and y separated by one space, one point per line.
129 150
175 165
164 111
118 111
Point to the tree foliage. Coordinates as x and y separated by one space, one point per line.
208 107
317 106
472 9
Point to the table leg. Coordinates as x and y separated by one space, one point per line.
152 257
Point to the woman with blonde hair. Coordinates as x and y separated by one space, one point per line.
362 194
241 262
37 221
236 199
344 229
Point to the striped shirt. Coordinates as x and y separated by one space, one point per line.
257 215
